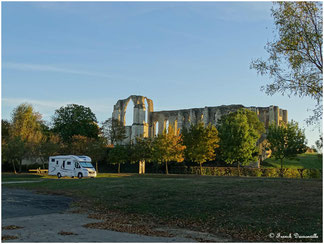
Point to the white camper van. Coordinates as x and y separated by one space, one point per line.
71 165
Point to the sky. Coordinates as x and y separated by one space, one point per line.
179 54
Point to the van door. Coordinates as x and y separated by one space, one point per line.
77 168
69 168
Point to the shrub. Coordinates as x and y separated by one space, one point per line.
291 173
270 172
313 173
248 172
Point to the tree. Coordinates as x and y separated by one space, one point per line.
113 130
286 141
50 145
26 130
75 120
5 130
141 152
239 132
319 143
295 60
200 142
119 154
14 150
168 147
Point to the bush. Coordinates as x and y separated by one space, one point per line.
312 173
270 172
248 172
291 173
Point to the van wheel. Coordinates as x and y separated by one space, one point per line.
59 175
80 175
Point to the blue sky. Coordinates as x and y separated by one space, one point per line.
179 54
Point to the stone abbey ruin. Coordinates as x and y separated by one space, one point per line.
148 123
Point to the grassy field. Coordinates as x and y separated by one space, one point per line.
243 208
305 160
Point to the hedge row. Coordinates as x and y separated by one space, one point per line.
254 172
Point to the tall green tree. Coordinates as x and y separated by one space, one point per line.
113 130
168 147
27 130
200 142
73 120
142 151
119 154
295 62
14 150
286 141
239 132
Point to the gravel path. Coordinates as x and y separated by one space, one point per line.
47 218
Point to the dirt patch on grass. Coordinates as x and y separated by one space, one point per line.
8 237
66 233
129 223
11 227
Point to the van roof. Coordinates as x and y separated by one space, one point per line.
77 157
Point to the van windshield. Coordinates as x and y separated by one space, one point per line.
86 165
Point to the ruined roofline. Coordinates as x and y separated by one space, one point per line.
221 106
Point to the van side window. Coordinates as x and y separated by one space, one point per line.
56 162
68 163
63 165
77 165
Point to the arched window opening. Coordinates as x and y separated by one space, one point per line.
166 126
129 116
156 129
146 111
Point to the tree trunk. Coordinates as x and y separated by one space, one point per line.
118 168
14 167
142 167
201 169
281 168
166 168
238 169
20 165
43 162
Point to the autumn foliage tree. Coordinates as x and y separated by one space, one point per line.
26 130
168 147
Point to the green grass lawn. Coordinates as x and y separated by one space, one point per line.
305 160
244 208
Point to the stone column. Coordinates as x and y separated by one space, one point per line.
192 115
180 120
271 115
205 116
276 114
161 125
173 122
285 116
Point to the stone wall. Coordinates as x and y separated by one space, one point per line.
179 119
185 117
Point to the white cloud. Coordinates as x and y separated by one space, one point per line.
49 68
